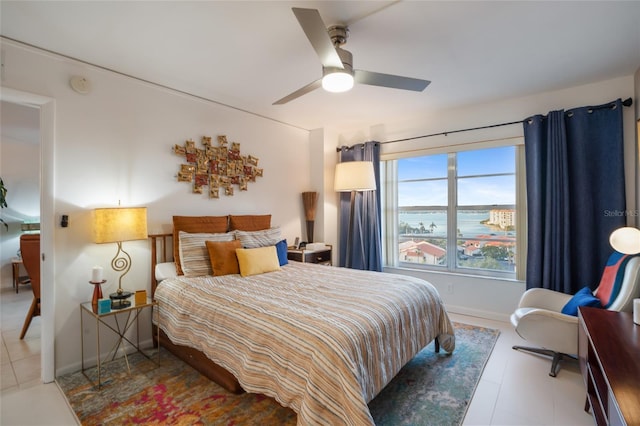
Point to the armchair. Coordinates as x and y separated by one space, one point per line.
30 250
539 318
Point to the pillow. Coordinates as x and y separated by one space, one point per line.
257 260
249 222
194 254
582 298
222 255
254 239
611 280
209 224
281 249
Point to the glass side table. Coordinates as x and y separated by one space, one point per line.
131 315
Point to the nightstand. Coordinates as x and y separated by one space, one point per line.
130 315
322 257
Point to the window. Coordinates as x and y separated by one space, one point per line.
456 211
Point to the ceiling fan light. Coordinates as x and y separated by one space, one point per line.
337 81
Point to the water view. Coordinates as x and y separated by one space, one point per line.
485 238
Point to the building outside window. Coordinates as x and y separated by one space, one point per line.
456 211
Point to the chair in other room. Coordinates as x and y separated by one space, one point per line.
30 250
539 318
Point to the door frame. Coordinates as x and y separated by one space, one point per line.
46 105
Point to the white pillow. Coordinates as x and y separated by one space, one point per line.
165 270
194 257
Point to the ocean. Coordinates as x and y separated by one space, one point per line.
468 222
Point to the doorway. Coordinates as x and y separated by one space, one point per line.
46 107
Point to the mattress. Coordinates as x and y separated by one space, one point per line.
321 340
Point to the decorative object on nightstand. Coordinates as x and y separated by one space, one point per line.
309 202
115 225
354 176
97 281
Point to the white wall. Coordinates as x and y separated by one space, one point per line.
114 144
20 171
482 296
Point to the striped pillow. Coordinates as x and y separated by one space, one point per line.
194 256
255 239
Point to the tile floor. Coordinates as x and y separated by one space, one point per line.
515 388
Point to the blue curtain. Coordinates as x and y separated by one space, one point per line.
575 194
366 252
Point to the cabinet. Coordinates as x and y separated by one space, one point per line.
609 356
316 256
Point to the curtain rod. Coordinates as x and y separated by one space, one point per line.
627 102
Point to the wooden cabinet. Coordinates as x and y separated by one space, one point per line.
609 355
317 256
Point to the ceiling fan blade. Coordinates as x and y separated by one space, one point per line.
389 80
302 91
316 32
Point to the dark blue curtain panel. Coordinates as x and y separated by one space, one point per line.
575 194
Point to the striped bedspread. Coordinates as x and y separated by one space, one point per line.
321 340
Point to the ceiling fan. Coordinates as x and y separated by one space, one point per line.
338 74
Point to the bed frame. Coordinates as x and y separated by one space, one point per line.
161 252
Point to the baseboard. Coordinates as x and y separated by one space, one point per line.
463 310
91 361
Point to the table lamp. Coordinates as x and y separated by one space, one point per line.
625 240
116 225
353 176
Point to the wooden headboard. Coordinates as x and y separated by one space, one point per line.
161 251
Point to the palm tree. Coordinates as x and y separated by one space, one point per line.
433 225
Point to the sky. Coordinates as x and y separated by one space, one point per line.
471 190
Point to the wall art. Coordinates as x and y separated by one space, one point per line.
220 167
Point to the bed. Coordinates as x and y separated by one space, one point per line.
321 340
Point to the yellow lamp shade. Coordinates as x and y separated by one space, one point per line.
118 224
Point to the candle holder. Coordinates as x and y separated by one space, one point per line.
97 293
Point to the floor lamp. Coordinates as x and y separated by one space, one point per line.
353 176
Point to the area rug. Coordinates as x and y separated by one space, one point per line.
432 389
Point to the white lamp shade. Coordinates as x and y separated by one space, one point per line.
354 176
112 225
626 240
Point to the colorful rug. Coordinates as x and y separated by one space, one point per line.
432 389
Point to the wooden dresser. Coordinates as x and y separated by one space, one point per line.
609 353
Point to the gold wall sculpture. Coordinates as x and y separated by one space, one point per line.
218 167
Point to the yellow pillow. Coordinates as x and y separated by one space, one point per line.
256 261
223 256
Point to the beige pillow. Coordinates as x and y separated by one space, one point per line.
193 252
253 239
223 257
256 261
194 224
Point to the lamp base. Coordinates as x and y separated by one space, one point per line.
119 300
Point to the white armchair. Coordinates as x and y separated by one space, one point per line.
538 318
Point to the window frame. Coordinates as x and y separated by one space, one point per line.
389 197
